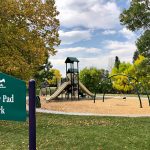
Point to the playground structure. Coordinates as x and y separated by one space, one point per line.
135 86
72 87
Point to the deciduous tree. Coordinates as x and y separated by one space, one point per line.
120 82
28 34
91 77
56 77
137 17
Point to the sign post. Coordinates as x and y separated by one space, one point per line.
13 103
12 98
32 118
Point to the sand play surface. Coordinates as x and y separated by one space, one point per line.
112 105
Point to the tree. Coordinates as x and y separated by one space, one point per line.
142 71
120 82
91 77
28 34
138 70
135 56
56 77
117 62
143 44
137 18
44 74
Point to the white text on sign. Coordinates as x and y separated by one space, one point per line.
7 99
2 110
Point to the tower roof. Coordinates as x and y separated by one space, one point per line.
71 60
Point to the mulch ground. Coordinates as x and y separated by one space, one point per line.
112 105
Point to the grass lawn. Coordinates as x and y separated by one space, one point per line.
61 132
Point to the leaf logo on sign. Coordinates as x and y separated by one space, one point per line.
2 82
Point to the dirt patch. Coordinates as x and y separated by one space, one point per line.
110 106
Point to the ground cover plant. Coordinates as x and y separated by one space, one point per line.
63 132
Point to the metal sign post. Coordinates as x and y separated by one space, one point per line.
32 118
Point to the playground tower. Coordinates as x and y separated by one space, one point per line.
72 86
72 74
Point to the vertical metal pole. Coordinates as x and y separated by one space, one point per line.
137 91
146 94
32 118
46 90
103 96
94 97
73 79
66 70
148 99
78 78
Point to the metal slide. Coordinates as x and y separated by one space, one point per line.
58 91
85 89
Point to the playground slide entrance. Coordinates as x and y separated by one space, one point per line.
63 86
84 89
59 90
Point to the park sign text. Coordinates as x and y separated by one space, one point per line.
12 98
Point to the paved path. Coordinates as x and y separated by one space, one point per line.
89 114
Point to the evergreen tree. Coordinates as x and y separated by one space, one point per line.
117 62
135 56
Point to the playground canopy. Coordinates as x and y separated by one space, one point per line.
71 60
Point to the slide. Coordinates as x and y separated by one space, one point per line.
58 91
85 89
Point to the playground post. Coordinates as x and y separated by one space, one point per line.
32 118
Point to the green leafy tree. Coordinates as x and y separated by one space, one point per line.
44 74
137 16
143 44
143 67
91 77
28 34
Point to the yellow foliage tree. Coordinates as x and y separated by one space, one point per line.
56 76
120 82
142 71
28 33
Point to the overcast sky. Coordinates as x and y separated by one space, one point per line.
90 30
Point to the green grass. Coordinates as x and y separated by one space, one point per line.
61 132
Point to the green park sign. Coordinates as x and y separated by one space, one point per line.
12 98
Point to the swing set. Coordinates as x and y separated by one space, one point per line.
130 79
